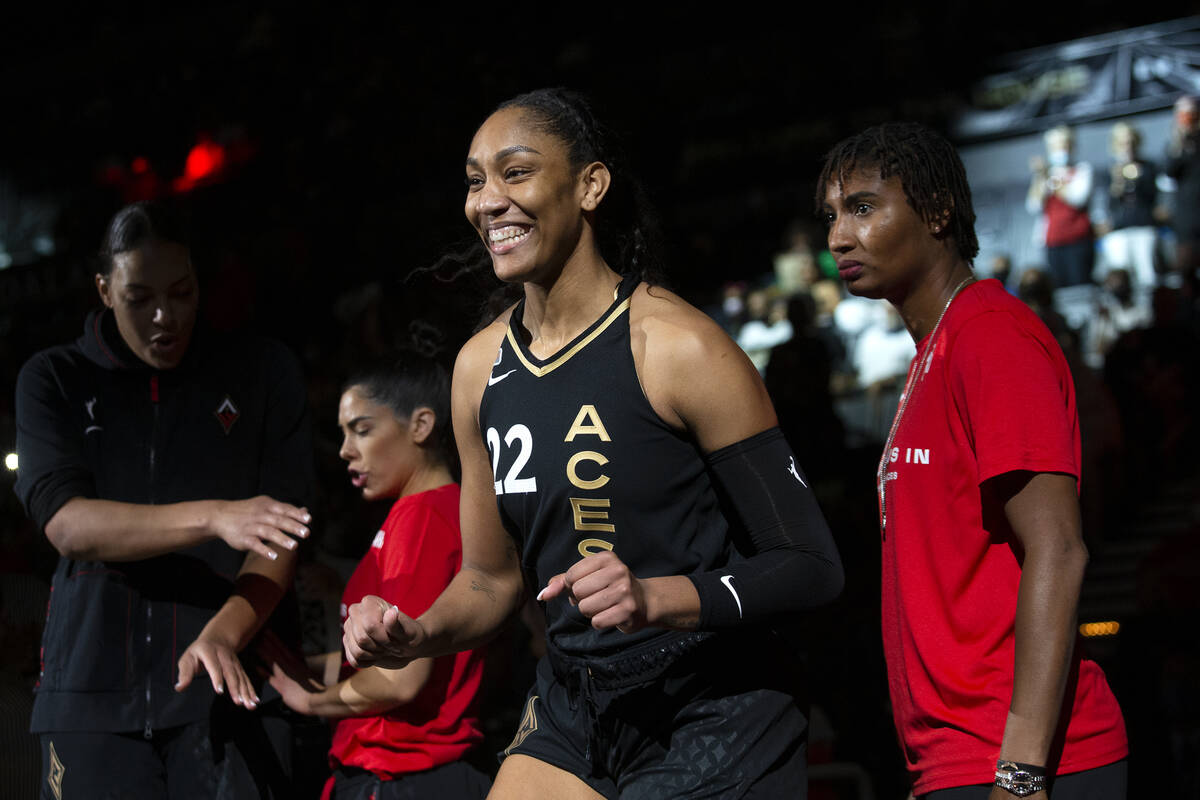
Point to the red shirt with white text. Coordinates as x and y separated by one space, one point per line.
997 397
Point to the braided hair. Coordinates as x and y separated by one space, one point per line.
628 231
929 169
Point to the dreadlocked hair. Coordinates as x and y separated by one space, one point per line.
929 169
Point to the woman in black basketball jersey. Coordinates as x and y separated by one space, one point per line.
620 455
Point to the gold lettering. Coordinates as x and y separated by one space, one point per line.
594 427
579 506
590 547
573 476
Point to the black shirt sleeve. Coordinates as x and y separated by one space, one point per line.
286 470
51 464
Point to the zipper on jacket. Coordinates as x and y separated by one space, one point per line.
153 433
149 732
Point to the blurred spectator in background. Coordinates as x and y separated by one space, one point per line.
1060 191
767 327
1183 164
826 295
1116 313
732 314
1154 374
798 378
852 316
796 267
1130 238
1036 290
1001 269
884 350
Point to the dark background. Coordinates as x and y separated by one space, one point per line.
352 122
359 114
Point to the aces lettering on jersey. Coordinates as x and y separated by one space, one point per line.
584 470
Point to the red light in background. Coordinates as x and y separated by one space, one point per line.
140 165
205 159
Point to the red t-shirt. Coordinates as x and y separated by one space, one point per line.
409 563
997 397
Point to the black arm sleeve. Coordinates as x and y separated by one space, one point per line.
794 564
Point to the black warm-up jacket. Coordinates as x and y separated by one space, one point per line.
93 421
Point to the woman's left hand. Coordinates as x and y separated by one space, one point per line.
604 590
294 688
224 670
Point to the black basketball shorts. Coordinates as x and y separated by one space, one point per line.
724 721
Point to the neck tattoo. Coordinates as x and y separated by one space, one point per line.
909 386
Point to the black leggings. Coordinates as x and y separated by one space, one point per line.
457 780
1101 783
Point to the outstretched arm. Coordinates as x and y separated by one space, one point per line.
367 692
87 529
58 489
259 586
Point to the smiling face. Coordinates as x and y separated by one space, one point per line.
525 199
153 294
379 449
882 246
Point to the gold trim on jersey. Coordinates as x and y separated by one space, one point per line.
562 359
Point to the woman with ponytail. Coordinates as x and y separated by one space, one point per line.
621 461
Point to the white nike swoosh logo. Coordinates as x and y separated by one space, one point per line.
494 379
728 581
91 428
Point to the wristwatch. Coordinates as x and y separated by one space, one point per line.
1021 780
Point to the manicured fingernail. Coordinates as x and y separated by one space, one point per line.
291 544
307 519
271 554
542 592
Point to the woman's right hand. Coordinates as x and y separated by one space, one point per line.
377 634
260 525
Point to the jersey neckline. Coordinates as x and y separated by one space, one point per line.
539 366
